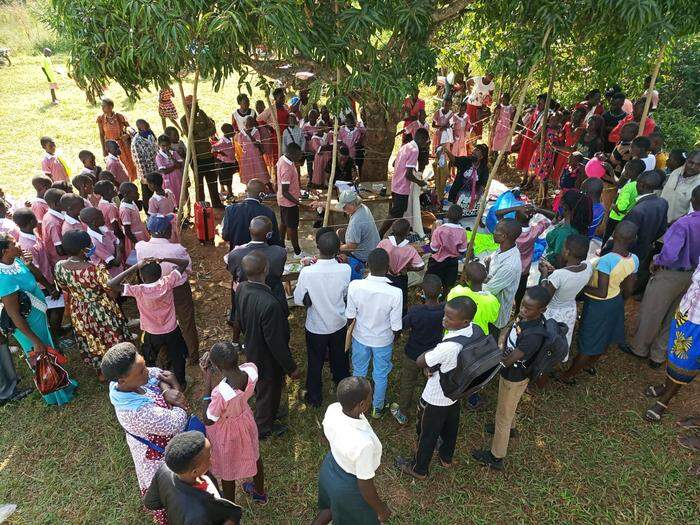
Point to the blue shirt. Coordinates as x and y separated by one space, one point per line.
598 214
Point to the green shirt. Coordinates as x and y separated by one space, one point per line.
556 239
625 200
487 306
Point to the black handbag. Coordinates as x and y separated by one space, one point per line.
7 326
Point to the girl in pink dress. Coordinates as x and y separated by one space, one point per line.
231 427
504 120
322 146
162 202
169 165
441 124
250 151
130 218
460 129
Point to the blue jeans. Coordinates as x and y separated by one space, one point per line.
381 366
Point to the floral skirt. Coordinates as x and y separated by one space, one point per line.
683 350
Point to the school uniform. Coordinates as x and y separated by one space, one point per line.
110 213
159 322
407 158
39 207
71 224
514 380
225 160
438 415
401 256
51 235
448 243
54 167
106 246
376 307
287 174
326 283
355 453
116 167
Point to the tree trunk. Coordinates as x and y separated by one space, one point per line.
380 139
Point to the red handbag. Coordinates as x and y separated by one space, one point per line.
49 376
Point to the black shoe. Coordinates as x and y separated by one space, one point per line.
490 428
485 457
654 365
624 347
277 431
307 402
17 395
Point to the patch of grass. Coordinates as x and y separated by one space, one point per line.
585 454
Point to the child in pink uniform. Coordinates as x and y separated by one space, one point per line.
84 185
442 124
169 165
114 164
130 218
448 243
72 205
106 190
41 184
51 227
403 257
162 202
226 162
322 147
460 129
251 164
106 245
231 427
52 164
351 135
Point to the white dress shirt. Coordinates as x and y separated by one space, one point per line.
376 307
327 285
354 445
445 354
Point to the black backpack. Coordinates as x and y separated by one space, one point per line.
554 349
478 362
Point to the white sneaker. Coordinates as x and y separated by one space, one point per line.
301 255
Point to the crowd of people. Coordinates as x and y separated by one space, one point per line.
625 222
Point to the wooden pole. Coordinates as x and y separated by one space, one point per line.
334 160
499 159
184 194
652 83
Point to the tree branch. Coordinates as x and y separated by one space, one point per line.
451 10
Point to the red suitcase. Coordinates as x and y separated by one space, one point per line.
204 222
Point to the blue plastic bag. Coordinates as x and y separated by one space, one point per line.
507 199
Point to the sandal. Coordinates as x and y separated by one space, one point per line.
689 442
654 391
654 414
443 463
689 423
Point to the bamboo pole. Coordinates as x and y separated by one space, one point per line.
184 194
334 160
499 159
652 83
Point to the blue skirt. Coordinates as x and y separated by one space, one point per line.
683 350
602 324
338 491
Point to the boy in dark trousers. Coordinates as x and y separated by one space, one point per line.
520 342
154 299
439 415
425 323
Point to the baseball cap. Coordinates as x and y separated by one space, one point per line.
158 223
346 197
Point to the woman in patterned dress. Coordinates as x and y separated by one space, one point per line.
114 126
149 405
166 107
97 320
683 351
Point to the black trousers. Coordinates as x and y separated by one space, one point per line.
446 270
206 168
146 195
268 393
435 422
317 347
401 282
520 293
175 347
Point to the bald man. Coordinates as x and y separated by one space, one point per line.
262 320
260 230
238 216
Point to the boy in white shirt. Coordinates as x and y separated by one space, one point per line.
375 306
322 288
440 414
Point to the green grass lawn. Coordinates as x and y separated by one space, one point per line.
585 454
